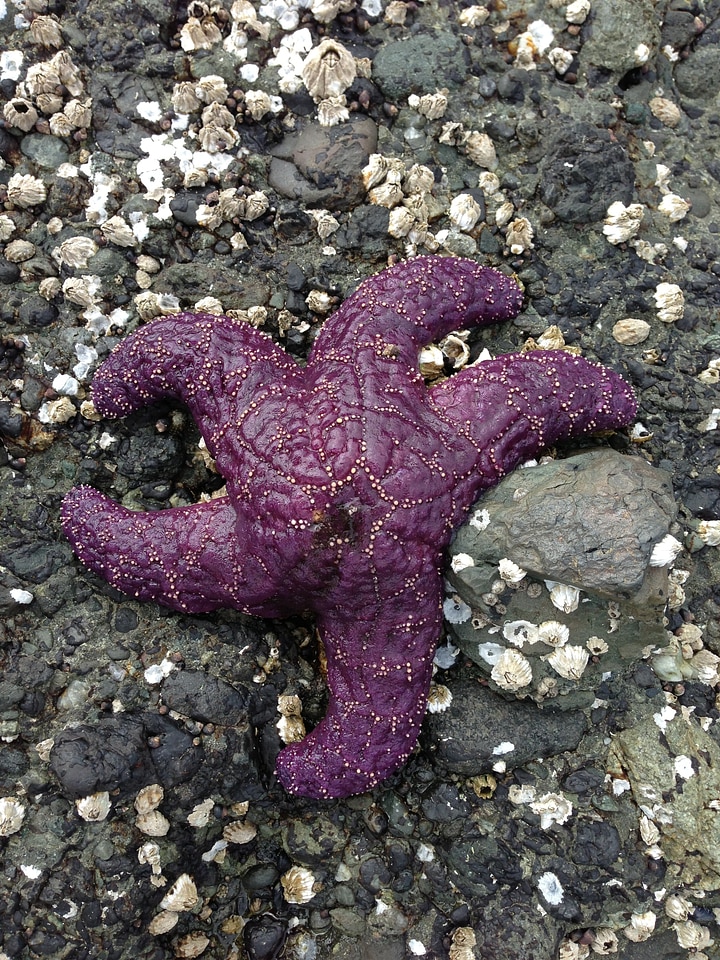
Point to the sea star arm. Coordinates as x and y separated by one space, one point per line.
414 303
184 558
379 665
216 365
513 407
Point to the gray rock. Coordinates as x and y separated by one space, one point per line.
196 694
590 521
465 736
420 63
615 32
321 165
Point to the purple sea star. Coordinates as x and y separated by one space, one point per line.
345 479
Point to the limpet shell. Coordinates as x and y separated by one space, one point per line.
149 798
665 110
631 331
481 150
153 824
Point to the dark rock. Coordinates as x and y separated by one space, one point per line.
596 843
204 697
584 172
264 937
464 737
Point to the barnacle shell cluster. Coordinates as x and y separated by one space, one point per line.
12 814
53 88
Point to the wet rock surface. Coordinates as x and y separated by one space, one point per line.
601 821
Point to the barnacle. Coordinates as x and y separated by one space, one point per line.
465 212
25 190
19 112
181 896
512 670
12 814
298 885
569 661
94 807
328 70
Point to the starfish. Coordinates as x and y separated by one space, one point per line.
345 479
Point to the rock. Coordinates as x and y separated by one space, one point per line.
480 728
420 63
617 31
321 165
264 937
196 694
585 171
591 521
673 767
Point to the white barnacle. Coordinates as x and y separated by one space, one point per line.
561 59
553 633
430 105
480 149
240 832
519 235
673 207
520 632
20 112
678 908
460 561
621 222
465 212
117 231
563 596
328 70
94 807
569 661
605 941
455 610
692 936
12 814
510 572
298 885
577 11
665 551
24 190
670 302
512 671
439 698
596 646
474 16
552 808
200 814
709 532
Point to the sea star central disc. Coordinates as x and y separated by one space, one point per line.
345 479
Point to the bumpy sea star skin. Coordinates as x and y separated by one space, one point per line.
345 479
